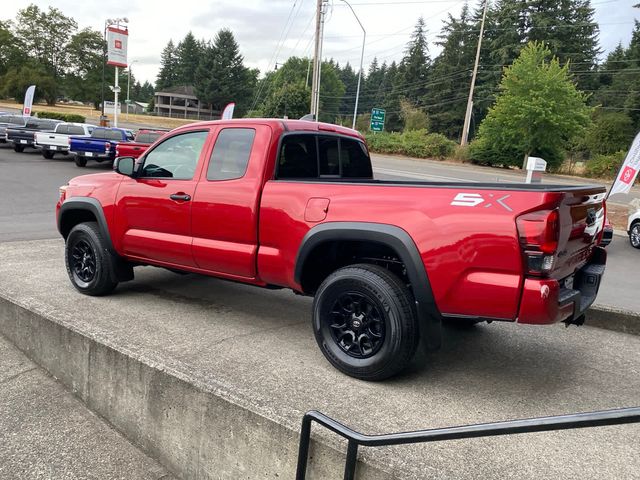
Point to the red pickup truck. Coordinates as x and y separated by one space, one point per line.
144 138
280 203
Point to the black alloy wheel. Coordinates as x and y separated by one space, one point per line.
89 261
357 324
634 234
365 323
83 262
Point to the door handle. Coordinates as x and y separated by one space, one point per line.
180 197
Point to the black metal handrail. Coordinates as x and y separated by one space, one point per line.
542 424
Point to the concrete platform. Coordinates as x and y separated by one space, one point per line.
46 433
212 378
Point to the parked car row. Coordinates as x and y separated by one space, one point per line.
85 141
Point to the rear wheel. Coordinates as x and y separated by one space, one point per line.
18 148
80 161
634 234
47 154
88 260
365 323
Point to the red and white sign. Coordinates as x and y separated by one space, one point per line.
629 170
117 47
227 113
28 101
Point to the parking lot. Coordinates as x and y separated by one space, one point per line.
255 349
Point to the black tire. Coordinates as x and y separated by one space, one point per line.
18 148
88 260
634 234
47 154
80 161
381 314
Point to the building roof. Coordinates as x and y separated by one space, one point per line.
181 90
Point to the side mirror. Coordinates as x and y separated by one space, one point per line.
124 165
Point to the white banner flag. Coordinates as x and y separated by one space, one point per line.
28 101
629 170
117 40
227 113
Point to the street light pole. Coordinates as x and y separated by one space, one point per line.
129 86
364 39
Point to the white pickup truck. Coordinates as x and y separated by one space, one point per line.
57 141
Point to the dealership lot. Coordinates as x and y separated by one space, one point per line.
245 361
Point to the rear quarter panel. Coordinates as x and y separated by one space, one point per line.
471 254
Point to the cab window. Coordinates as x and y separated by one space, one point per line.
176 157
230 155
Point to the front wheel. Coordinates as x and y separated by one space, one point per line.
47 154
80 161
88 260
18 148
634 235
365 323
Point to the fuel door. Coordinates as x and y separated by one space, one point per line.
316 210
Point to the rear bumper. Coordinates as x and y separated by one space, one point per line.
54 148
546 301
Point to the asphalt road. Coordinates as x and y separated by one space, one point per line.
394 167
29 185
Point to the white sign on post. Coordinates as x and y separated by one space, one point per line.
117 40
629 170
535 167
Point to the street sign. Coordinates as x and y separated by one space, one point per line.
377 119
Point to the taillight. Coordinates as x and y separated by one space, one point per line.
62 191
538 233
107 147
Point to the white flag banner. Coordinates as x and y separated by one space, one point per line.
117 40
227 113
629 170
28 101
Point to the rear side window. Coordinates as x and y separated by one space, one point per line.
149 137
298 157
75 130
354 159
230 155
323 156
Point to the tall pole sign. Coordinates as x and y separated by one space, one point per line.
28 101
117 40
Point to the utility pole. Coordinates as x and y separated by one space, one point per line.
467 118
317 60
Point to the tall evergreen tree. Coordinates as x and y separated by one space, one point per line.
168 75
222 77
451 73
187 59
415 64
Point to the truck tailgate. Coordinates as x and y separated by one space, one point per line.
582 217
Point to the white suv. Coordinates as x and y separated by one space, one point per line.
633 227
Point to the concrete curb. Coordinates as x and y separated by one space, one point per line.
610 318
196 429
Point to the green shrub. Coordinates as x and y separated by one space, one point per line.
605 166
413 118
66 117
462 153
416 143
609 133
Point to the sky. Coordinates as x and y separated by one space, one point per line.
269 31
